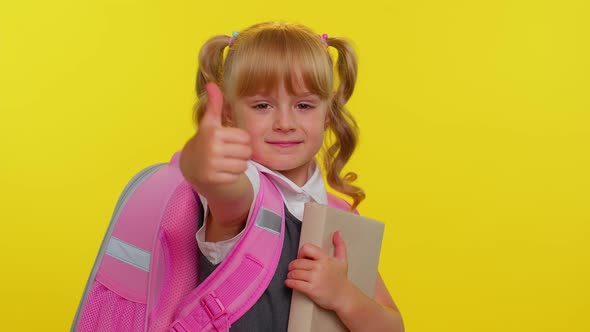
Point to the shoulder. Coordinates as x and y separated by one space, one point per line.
339 203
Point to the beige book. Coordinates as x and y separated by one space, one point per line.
363 237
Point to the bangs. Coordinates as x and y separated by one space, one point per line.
263 60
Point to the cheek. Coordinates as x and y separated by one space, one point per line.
315 126
246 122
255 128
320 138
315 134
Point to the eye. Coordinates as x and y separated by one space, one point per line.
305 106
261 106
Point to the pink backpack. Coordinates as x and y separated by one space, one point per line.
145 274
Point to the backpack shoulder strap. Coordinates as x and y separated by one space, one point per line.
243 276
175 252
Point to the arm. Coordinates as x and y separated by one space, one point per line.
213 162
323 278
360 313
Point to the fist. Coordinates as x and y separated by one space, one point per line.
215 154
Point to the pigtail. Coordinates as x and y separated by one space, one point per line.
343 125
210 71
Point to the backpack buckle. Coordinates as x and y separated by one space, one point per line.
216 311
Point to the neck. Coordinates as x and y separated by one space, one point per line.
297 176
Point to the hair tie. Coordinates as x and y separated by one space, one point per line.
324 39
233 37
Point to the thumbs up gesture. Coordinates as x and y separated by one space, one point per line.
215 155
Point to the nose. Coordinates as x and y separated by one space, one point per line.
284 121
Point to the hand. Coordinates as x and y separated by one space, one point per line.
323 278
216 154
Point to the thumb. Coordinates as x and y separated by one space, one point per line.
214 105
339 246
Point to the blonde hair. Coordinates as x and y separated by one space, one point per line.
267 54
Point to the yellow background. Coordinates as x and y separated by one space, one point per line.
475 120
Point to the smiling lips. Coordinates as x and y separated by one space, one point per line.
284 144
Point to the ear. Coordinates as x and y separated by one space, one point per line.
327 120
227 116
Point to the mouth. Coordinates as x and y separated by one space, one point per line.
284 144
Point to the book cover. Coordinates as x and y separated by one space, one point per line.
362 236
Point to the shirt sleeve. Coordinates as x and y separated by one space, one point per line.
216 252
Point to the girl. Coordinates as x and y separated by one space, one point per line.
264 111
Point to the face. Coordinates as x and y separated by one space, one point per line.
286 130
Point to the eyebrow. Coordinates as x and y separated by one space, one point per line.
300 95
307 94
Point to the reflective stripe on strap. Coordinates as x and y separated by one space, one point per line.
269 220
129 254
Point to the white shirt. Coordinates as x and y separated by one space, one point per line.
294 197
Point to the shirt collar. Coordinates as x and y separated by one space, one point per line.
314 187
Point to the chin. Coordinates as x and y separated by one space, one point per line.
282 165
